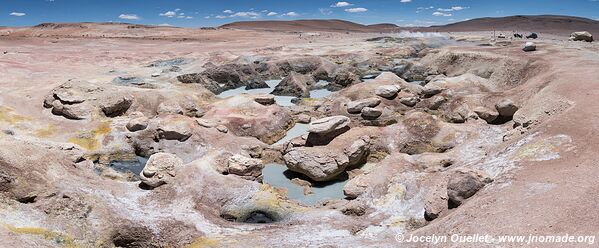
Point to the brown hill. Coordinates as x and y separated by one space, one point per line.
312 25
560 25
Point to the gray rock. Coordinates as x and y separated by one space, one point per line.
116 105
304 118
355 107
435 200
323 131
436 102
318 164
431 90
137 124
358 151
169 107
174 130
79 111
387 91
506 108
325 164
328 124
160 169
346 78
245 167
69 96
459 114
529 47
463 185
222 128
294 85
266 99
487 114
410 101
205 123
581 36
371 113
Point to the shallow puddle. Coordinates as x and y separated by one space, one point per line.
296 131
125 166
279 176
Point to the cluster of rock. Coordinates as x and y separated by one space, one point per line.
452 190
80 100
326 152
299 73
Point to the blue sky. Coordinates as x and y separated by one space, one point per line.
191 13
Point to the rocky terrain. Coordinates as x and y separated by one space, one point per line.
172 137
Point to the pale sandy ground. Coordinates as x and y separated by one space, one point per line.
32 67
544 197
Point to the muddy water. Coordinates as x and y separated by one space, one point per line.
278 176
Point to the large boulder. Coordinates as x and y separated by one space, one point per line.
506 108
323 131
160 169
346 78
245 167
463 185
581 36
328 124
387 91
137 124
114 106
174 129
355 107
529 47
78 111
487 114
431 89
198 78
294 85
325 164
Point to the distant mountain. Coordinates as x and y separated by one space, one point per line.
312 25
554 24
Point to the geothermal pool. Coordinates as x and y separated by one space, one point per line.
284 101
279 176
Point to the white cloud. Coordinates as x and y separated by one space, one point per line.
207 17
356 10
325 11
454 8
17 14
220 17
437 13
291 14
420 9
342 4
272 13
228 11
405 1
129 16
249 14
165 25
168 14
